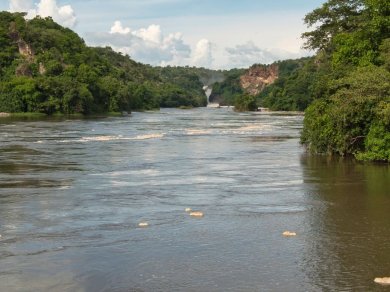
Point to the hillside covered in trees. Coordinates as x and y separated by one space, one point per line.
351 109
292 88
48 68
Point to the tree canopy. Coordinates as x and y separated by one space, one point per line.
47 68
352 39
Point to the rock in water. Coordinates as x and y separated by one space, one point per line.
143 224
188 209
289 233
383 281
197 214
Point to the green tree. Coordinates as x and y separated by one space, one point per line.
350 30
342 123
245 102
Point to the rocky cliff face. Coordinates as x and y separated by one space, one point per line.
25 50
258 77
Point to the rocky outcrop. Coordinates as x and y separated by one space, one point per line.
23 69
25 49
258 77
41 68
4 115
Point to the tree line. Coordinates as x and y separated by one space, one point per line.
47 68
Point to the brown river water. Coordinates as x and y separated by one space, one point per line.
72 193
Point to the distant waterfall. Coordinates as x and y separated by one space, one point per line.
208 90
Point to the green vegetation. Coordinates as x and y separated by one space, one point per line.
225 92
295 87
293 90
181 87
245 102
344 88
351 113
46 68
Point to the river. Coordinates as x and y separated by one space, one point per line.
72 193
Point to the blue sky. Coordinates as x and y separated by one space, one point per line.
210 33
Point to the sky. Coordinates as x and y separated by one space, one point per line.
217 34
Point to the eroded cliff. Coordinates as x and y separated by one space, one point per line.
258 77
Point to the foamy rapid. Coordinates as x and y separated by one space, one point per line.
253 127
197 132
147 136
114 138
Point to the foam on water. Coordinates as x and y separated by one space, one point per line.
198 131
147 136
252 128
113 138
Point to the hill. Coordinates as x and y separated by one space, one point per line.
286 85
48 68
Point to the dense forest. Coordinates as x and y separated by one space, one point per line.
228 90
293 90
295 87
351 109
48 68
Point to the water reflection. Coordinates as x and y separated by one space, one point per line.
348 244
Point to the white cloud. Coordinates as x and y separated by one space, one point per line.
23 6
20 5
118 28
249 53
150 45
151 34
64 15
245 55
202 55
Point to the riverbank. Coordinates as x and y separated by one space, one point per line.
38 116
5 115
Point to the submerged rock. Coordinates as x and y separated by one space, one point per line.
289 233
143 224
383 281
197 214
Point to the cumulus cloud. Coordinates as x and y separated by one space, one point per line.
20 5
248 54
202 55
151 34
152 46
23 6
118 28
64 15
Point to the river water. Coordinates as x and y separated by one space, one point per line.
72 193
